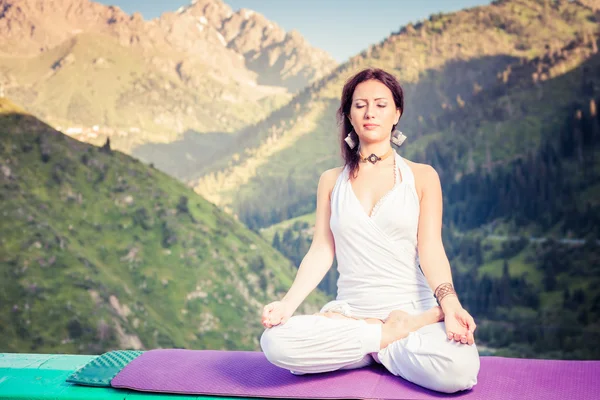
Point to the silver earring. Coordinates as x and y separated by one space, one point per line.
397 138
349 141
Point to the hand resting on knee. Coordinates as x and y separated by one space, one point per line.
275 313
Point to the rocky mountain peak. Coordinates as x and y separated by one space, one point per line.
212 12
250 32
242 53
296 37
265 46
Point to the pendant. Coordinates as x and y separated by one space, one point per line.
373 159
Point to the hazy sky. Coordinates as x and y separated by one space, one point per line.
342 28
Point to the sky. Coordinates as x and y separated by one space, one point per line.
343 28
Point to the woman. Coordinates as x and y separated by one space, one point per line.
381 215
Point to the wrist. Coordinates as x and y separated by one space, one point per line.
444 291
450 302
290 304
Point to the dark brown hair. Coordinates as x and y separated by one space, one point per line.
350 156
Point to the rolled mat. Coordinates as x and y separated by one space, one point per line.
102 369
249 374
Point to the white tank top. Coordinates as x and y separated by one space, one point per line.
377 255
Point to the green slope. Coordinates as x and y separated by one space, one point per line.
269 232
99 251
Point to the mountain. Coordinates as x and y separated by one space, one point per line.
202 67
448 65
515 137
99 251
279 58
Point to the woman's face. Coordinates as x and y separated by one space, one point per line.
373 111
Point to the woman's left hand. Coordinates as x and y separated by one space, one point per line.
459 325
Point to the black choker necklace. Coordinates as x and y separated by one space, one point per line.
373 158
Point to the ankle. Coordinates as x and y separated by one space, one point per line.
396 328
388 335
437 314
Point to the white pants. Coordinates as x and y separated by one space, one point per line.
314 343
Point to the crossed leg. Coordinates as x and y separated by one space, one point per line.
330 341
398 324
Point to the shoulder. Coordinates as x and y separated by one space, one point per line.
328 178
332 174
426 177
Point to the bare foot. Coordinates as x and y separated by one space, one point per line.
399 324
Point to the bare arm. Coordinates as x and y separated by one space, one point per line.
319 257
432 255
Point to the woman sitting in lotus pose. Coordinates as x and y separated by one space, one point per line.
381 215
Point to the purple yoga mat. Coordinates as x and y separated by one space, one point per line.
249 374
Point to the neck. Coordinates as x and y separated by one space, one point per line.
375 158
379 149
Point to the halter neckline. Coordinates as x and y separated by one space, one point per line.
397 166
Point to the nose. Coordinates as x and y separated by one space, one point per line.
368 112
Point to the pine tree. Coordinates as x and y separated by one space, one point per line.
106 147
505 295
276 241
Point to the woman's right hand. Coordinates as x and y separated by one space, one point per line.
275 313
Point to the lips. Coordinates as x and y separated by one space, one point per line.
370 125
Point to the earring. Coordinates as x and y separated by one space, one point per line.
397 138
349 141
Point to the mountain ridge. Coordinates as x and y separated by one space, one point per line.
413 54
204 29
80 64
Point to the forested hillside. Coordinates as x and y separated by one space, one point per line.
99 251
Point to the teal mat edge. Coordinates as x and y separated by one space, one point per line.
30 376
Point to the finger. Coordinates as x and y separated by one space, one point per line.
469 322
463 339
266 320
277 321
472 326
450 335
272 322
457 337
276 316
470 338
266 310
464 321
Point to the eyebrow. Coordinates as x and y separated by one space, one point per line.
379 98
